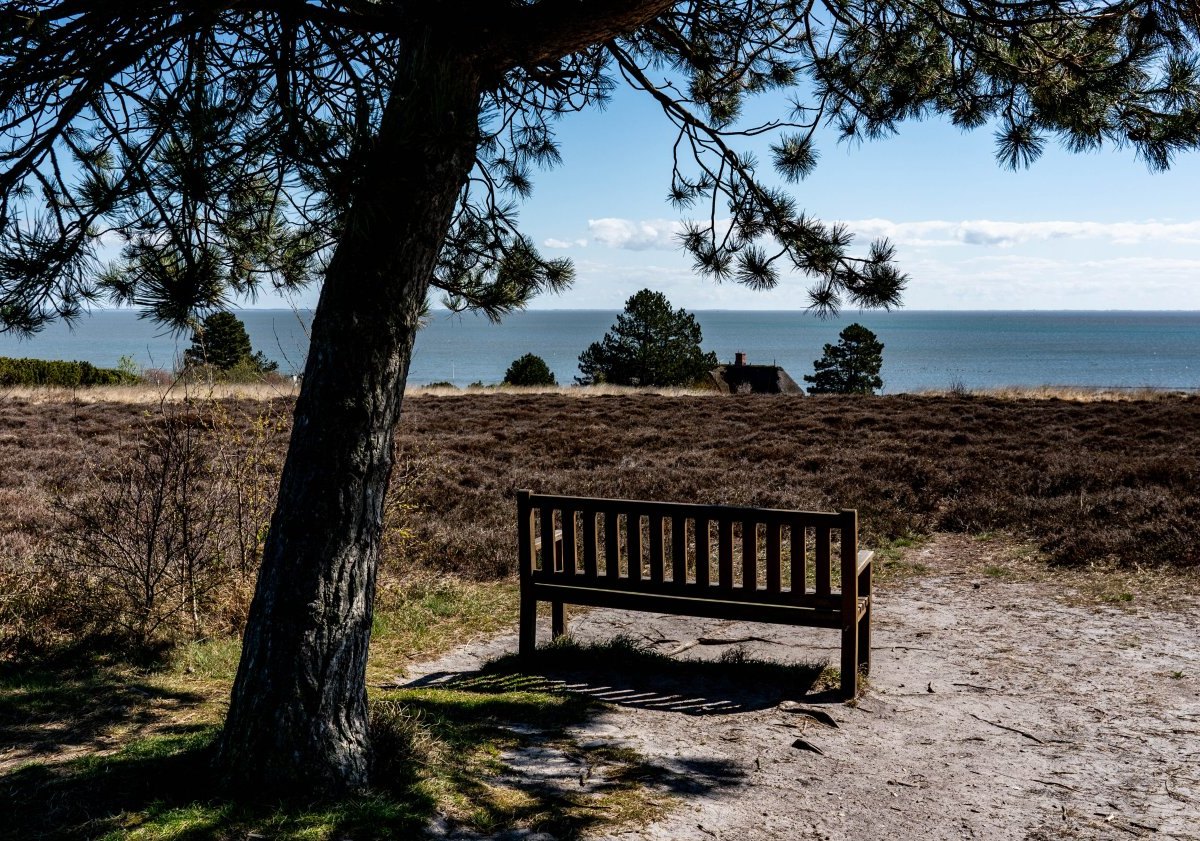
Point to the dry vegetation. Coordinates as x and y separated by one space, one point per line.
1089 481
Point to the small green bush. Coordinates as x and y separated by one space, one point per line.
59 373
530 369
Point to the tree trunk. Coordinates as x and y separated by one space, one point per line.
297 723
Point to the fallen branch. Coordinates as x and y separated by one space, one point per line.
1009 729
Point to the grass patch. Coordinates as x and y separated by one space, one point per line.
438 751
427 614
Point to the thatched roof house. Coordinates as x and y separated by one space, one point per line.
743 378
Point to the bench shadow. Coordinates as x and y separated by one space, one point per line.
625 672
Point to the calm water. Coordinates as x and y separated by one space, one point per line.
923 350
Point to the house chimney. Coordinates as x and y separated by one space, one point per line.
739 358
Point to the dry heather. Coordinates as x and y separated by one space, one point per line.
1089 481
1098 481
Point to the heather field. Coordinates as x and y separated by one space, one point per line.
1088 482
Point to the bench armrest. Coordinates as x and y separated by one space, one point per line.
864 560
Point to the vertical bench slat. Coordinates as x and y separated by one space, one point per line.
570 551
548 553
725 554
612 545
589 543
799 537
633 544
774 563
824 561
749 555
702 551
679 573
657 550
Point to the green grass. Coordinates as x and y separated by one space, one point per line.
121 751
437 751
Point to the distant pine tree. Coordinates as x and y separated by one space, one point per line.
849 367
650 344
530 369
222 342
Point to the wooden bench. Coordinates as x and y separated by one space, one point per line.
662 557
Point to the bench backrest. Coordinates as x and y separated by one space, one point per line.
762 555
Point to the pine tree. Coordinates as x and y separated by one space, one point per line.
650 345
849 367
383 147
222 342
530 369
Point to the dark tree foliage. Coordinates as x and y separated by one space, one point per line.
849 367
650 345
530 369
229 146
222 341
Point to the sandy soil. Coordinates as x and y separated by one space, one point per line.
997 709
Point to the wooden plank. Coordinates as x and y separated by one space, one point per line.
823 561
849 585
525 535
633 545
548 541
799 541
527 627
657 550
774 562
725 554
691 591
702 552
589 545
683 509
558 619
679 572
570 551
612 547
677 605
749 555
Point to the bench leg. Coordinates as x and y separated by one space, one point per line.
864 641
527 634
850 644
558 620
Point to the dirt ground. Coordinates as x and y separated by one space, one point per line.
999 707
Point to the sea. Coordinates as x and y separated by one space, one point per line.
923 350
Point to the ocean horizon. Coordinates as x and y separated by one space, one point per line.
923 349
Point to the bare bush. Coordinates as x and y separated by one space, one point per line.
166 541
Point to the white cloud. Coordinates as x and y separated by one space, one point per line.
562 243
993 233
636 236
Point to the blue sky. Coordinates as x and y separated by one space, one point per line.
1092 231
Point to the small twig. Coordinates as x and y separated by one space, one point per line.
1006 727
974 686
1052 783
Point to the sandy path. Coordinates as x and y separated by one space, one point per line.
995 710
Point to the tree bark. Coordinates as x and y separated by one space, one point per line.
297 722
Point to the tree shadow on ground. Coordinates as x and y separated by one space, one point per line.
74 705
507 751
165 787
625 672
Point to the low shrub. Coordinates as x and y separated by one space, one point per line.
53 372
